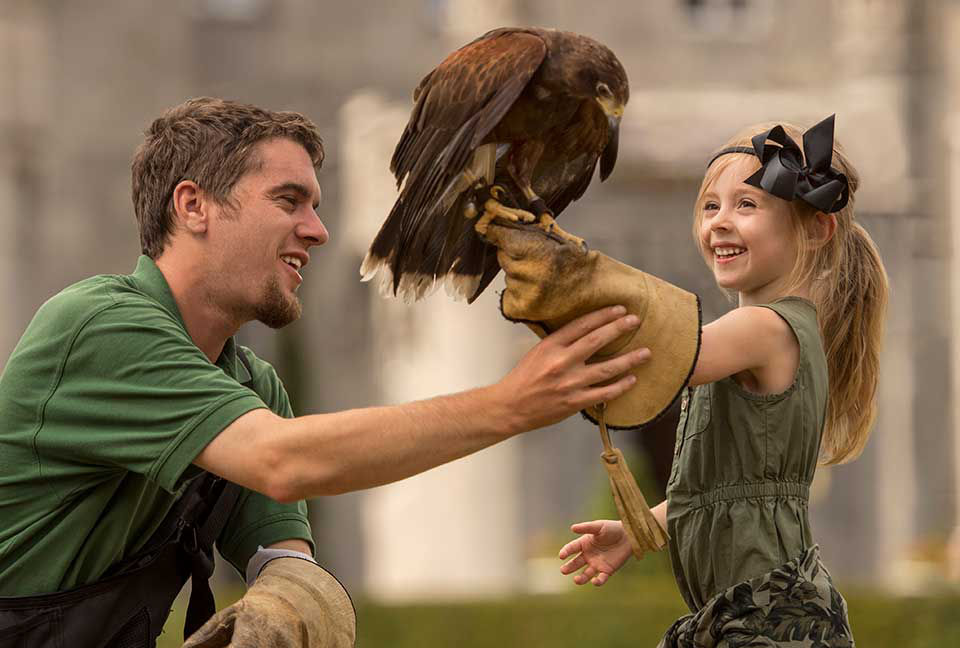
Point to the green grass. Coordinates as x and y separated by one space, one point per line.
633 609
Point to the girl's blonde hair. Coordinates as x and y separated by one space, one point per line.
848 284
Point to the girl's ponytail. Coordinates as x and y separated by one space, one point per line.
851 299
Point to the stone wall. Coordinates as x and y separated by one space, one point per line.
79 84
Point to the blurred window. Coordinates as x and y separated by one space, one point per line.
464 20
730 19
702 6
233 10
715 15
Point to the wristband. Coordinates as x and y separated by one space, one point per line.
263 556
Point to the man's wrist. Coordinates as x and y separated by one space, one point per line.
495 401
263 556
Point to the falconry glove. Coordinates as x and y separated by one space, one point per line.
551 282
292 604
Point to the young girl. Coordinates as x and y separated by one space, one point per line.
783 381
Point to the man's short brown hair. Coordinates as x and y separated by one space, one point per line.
211 142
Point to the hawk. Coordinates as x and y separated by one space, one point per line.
510 126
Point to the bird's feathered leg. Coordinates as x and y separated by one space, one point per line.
521 166
478 172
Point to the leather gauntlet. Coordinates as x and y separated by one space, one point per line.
292 604
551 282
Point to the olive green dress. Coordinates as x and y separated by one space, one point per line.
739 488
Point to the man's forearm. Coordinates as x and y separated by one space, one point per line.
356 449
326 454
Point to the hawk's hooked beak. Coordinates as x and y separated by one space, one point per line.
609 158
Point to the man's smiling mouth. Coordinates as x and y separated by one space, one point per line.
293 262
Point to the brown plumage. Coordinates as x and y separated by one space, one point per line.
531 110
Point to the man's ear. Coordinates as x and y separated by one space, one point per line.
189 207
824 227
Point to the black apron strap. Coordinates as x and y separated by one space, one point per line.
199 544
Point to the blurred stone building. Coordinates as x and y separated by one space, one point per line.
80 81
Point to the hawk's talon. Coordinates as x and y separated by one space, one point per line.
493 209
508 213
549 225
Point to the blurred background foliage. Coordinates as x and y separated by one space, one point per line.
633 609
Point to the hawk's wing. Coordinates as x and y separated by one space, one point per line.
567 166
564 171
457 105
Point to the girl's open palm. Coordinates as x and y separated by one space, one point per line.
603 547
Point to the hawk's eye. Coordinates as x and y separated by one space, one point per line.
603 90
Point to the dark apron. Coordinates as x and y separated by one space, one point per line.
129 605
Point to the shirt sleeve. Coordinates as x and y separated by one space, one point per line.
256 519
136 394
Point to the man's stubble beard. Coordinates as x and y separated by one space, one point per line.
276 309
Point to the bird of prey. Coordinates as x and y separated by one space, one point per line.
509 126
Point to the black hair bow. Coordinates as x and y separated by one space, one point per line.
783 174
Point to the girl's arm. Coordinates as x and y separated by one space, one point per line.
660 512
603 548
754 345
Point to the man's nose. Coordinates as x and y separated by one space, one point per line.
313 231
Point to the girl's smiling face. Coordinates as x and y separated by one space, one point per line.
746 235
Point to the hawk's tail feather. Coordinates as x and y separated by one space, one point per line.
415 286
411 287
447 248
491 270
428 236
459 286
385 244
372 265
440 161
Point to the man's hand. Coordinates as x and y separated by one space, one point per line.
293 604
603 549
554 379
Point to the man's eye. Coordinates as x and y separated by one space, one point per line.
290 200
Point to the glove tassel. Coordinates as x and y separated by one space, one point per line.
645 533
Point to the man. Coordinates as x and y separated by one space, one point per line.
127 395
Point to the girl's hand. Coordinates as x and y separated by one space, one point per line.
603 548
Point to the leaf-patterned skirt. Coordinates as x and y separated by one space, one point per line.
794 605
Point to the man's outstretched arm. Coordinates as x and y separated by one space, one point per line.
325 454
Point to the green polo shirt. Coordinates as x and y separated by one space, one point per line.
104 405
